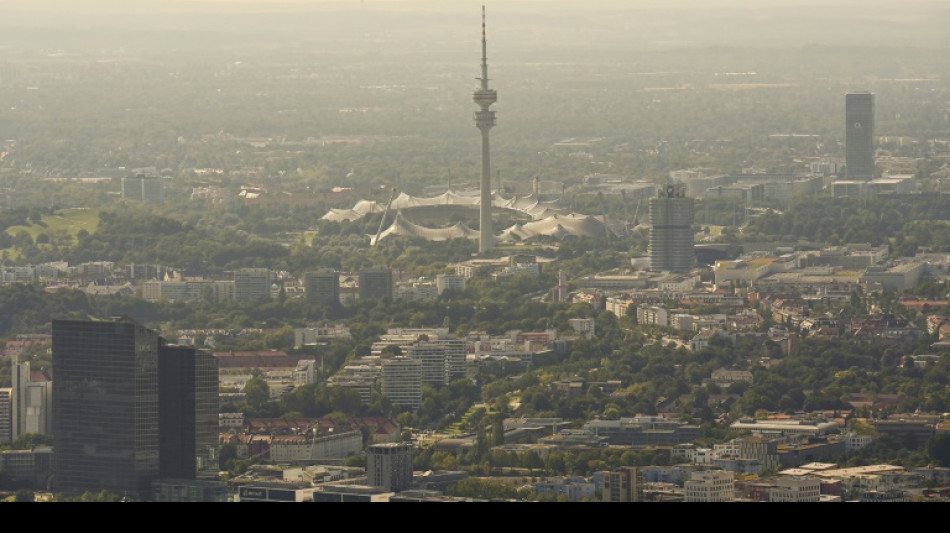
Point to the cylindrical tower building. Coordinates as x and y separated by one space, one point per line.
671 232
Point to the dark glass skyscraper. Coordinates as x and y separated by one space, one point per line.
188 413
859 136
105 407
128 409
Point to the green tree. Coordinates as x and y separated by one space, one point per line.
938 448
257 392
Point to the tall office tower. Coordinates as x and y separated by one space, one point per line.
322 287
859 136
31 401
623 485
401 381
671 232
105 408
129 409
389 465
188 413
6 414
375 284
251 284
485 120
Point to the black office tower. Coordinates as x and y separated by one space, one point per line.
129 410
188 413
105 407
859 136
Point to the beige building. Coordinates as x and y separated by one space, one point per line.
623 485
796 489
710 486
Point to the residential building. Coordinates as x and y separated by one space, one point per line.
322 287
623 485
575 489
252 285
452 282
305 373
711 486
314 336
30 400
582 326
435 362
375 284
402 381
6 414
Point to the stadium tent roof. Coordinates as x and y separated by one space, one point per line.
401 226
547 219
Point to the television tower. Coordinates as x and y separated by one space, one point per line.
484 120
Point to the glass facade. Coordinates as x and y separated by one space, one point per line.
105 407
188 407
128 410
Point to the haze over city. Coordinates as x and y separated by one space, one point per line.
535 250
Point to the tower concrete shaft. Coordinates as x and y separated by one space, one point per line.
485 120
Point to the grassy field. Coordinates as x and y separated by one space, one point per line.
65 221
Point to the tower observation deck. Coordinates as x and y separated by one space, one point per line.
485 120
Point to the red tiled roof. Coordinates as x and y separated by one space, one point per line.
41 376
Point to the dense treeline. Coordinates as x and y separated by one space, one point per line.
907 223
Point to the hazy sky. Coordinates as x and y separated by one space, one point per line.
514 23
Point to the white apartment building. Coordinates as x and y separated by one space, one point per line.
305 373
655 315
286 449
444 282
402 381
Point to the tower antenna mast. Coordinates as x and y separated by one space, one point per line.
485 120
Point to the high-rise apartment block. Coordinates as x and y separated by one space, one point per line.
389 465
129 409
401 381
623 485
31 400
252 284
6 414
859 136
449 282
375 284
322 287
671 231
